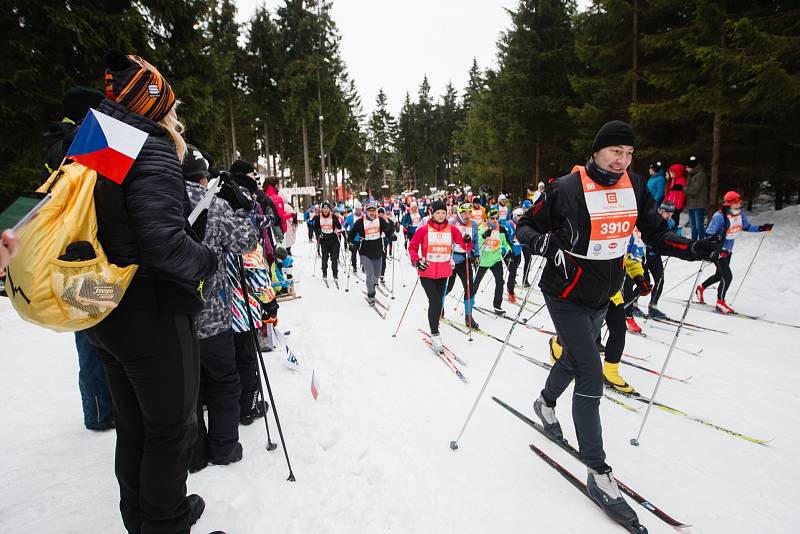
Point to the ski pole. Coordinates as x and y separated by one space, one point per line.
468 270
635 441
678 284
406 308
246 295
454 443
349 267
393 262
314 270
764 234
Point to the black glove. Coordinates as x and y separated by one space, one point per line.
394 237
487 233
707 249
643 284
476 261
766 227
353 247
546 245
467 239
421 264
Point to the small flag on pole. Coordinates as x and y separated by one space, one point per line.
107 145
314 386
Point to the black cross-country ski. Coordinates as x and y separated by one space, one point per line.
547 366
564 444
446 359
479 332
447 349
634 527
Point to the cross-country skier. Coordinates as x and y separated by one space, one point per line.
410 222
653 264
478 211
463 258
727 222
326 224
431 250
582 223
365 236
514 257
494 244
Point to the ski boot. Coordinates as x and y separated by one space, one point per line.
698 295
371 299
611 377
469 319
512 298
635 311
603 490
655 313
499 311
555 350
436 343
548 416
722 307
630 323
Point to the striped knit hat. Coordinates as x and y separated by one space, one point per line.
137 85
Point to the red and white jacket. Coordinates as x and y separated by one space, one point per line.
434 242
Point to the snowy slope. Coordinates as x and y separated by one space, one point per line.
372 456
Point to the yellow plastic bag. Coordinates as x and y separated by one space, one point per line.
65 296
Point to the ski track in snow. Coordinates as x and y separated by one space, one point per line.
372 455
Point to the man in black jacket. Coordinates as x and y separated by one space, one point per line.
326 225
582 223
366 237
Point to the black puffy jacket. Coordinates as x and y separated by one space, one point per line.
561 209
143 222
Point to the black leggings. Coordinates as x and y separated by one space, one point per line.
655 267
497 271
526 266
434 288
330 249
513 265
723 275
615 321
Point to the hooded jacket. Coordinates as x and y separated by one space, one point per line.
280 213
656 184
419 243
696 188
143 222
561 209
225 231
675 187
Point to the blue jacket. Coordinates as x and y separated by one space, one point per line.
459 257
511 229
656 185
719 226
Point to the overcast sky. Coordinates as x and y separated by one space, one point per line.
392 44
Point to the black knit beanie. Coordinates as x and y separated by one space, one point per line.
194 166
614 133
240 166
78 101
438 205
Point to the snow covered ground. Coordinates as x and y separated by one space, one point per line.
372 455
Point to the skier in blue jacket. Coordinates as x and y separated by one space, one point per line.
727 222
463 259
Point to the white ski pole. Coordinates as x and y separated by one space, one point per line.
764 234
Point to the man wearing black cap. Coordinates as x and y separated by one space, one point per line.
581 224
326 226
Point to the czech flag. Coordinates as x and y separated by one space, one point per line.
314 385
107 145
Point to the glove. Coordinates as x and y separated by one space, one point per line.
467 239
487 233
394 237
707 249
233 195
643 284
353 247
546 245
421 264
766 227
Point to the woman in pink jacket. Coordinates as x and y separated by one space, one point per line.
676 181
271 189
431 251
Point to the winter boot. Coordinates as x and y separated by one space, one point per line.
630 323
655 313
469 319
196 507
698 295
253 410
612 378
436 343
512 298
556 350
548 416
371 299
604 491
723 307
232 457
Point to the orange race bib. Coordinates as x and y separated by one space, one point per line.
440 245
326 224
613 212
477 214
492 243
